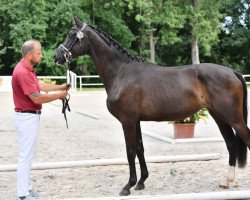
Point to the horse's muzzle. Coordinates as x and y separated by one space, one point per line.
59 57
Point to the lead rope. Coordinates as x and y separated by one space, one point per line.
65 102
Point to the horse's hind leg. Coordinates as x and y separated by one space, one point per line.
231 143
242 141
140 154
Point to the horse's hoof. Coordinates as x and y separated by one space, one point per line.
140 186
124 192
224 184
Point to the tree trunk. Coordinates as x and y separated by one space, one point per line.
195 47
152 41
196 3
152 48
195 50
93 10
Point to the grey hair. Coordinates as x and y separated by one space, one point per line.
29 46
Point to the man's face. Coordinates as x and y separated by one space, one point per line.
36 56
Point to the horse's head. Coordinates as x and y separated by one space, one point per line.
74 45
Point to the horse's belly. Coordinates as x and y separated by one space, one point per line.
169 110
153 103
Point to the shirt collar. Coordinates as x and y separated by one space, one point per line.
27 65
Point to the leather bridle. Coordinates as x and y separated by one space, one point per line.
68 57
66 51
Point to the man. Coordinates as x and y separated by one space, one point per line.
28 104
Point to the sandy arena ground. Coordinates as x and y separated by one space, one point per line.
89 138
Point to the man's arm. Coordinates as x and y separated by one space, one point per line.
51 87
38 98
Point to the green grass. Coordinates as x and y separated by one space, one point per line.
92 89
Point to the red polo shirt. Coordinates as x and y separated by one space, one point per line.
24 82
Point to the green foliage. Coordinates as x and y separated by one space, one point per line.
235 42
206 21
222 28
2 48
108 17
49 81
162 18
48 67
60 20
18 25
200 115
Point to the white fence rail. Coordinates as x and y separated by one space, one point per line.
71 76
88 77
5 81
247 76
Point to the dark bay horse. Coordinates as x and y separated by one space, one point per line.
141 91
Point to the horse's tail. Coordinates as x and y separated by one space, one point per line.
242 147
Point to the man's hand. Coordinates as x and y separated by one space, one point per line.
62 94
66 86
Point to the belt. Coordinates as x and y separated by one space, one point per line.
31 111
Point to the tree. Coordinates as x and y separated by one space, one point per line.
161 30
107 16
159 19
18 26
235 38
204 17
40 20
195 47
60 20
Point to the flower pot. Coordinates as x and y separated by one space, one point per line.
183 130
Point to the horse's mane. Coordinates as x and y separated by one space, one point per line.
117 45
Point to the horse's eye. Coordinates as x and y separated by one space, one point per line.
71 34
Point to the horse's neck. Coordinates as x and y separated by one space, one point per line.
107 61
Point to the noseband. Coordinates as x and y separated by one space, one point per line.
66 51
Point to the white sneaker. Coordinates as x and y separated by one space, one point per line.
29 197
34 193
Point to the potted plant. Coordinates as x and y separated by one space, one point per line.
185 128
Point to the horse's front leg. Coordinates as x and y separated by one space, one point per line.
140 154
129 129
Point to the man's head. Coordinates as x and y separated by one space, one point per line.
31 50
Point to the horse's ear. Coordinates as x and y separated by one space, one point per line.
77 21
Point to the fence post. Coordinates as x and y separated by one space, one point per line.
73 80
80 83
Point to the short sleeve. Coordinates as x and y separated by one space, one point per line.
28 83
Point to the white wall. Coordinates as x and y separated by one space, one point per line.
5 84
